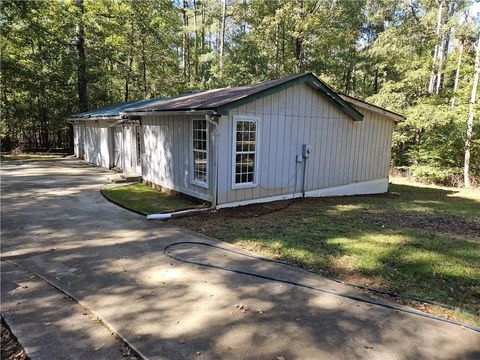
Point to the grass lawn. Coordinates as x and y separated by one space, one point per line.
143 198
33 156
421 240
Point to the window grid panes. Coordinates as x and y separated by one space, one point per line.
245 152
200 156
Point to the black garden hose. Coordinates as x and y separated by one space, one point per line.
348 296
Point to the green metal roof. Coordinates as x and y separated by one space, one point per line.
113 110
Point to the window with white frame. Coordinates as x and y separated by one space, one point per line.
245 155
200 151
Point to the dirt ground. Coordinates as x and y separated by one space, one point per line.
445 224
10 349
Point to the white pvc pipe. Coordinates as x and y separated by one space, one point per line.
166 216
159 216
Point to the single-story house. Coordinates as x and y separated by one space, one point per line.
101 137
279 139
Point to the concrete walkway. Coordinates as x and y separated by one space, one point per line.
51 325
56 223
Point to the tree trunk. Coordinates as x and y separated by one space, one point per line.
347 77
441 52
298 53
202 38
431 86
244 25
457 74
81 58
42 105
144 68
127 78
129 64
222 34
468 139
81 69
299 41
195 38
186 51
277 50
354 79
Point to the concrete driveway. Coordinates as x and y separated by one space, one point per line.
56 224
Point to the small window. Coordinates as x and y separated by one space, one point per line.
200 151
245 154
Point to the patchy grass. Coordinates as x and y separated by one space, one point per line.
145 199
421 240
27 157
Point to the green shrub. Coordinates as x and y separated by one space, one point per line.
438 175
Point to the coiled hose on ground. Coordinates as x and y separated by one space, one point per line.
348 296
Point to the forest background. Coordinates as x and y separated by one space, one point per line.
415 57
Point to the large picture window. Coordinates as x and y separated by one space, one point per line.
245 155
200 151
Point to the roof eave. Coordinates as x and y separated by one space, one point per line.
169 112
92 118
367 106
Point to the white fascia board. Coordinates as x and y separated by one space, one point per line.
363 105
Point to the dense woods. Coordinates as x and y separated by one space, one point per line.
417 57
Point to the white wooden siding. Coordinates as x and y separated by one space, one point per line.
343 151
98 143
167 158
76 140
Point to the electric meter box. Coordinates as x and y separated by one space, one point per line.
306 150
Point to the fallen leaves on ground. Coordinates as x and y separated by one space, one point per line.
10 348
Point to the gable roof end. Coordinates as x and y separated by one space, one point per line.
309 78
223 100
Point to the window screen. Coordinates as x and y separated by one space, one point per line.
245 151
200 150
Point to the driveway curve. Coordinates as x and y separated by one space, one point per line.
56 223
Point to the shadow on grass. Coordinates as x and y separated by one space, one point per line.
369 240
144 199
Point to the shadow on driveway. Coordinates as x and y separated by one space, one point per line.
56 223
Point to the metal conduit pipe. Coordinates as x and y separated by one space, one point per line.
306 150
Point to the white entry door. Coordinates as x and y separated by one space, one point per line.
81 141
118 147
127 148
131 148
137 149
